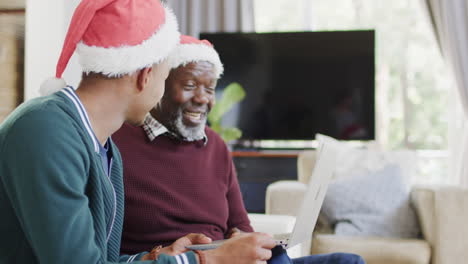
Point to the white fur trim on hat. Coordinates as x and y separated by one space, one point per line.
186 53
118 61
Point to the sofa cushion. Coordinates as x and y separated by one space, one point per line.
375 250
372 204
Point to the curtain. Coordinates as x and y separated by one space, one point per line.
198 16
449 20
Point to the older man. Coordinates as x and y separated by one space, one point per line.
176 167
179 175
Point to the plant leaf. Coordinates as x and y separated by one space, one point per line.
231 133
233 94
217 128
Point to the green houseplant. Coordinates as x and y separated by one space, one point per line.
233 94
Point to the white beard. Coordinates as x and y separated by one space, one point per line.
187 133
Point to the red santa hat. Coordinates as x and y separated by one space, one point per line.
116 37
191 49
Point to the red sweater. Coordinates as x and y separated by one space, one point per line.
173 188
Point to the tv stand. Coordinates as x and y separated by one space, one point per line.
256 169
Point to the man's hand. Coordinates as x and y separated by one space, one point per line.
244 248
178 247
234 232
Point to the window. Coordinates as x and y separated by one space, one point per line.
412 83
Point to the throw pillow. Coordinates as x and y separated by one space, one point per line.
353 161
374 203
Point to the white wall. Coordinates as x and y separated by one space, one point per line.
46 26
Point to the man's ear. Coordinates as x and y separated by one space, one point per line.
143 77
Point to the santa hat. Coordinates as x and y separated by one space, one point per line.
116 37
191 49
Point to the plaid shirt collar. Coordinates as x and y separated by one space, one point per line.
153 128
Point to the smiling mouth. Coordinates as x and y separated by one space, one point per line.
193 115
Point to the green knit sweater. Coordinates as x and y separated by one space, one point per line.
57 204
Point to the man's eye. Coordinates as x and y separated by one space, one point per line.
189 86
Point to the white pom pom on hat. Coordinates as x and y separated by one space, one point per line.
116 37
191 49
51 86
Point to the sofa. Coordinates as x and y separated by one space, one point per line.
442 213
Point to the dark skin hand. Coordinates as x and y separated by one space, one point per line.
234 232
179 246
243 248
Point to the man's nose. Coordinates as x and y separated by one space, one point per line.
201 96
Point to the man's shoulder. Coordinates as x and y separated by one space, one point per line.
42 109
49 116
128 134
215 140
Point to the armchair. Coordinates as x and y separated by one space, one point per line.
442 213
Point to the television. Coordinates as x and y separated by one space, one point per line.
298 84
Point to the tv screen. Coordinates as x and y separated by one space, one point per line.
299 84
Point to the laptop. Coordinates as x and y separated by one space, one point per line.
311 203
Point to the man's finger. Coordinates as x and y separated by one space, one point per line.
234 232
264 254
265 241
196 238
180 244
